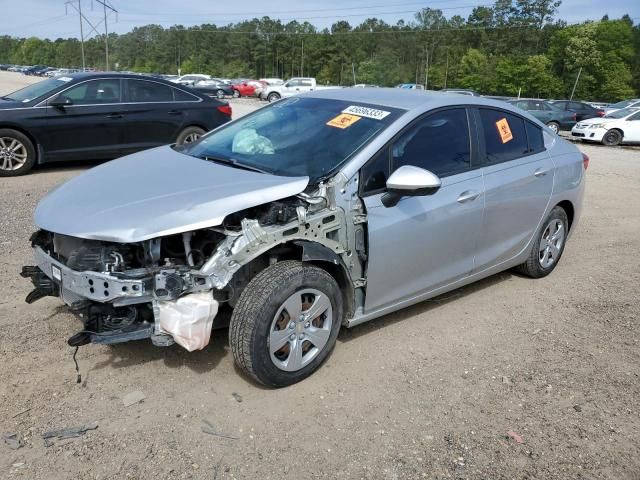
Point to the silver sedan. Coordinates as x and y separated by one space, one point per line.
317 212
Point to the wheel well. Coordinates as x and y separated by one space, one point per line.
618 130
36 145
567 206
296 251
193 125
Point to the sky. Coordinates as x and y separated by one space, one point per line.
52 19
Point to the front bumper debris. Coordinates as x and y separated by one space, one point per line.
99 287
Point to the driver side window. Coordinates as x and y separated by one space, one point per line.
438 142
94 92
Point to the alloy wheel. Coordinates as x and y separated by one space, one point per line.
192 137
300 329
551 243
13 153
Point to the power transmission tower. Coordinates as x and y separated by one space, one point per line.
81 17
105 5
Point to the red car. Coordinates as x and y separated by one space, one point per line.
246 88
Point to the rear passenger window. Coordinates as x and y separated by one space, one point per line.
144 92
181 96
504 135
438 142
534 135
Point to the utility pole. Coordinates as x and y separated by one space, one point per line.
446 70
105 6
80 16
575 84
426 74
353 70
302 60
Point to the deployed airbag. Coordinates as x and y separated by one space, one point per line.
189 319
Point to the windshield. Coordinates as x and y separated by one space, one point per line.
623 104
36 90
297 136
623 112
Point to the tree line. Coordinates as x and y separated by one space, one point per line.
513 47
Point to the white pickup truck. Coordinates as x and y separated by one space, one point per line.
291 87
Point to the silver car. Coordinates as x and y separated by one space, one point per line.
321 211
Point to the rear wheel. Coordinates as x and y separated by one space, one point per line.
612 138
189 135
17 153
555 126
220 94
236 94
285 323
547 249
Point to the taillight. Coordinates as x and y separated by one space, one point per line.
601 113
585 161
226 109
574 117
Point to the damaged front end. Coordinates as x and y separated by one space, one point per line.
177 288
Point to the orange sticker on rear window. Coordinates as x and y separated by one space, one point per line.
504 130
344 120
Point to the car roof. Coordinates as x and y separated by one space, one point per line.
403 98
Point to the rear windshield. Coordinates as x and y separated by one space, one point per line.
298 136
36 90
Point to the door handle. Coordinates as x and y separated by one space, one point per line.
541 172
468 196
114 115
175 112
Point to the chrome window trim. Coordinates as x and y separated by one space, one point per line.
40 104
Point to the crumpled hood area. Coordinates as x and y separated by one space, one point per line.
155 193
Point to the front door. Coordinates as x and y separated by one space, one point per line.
518 179
426 242
90 127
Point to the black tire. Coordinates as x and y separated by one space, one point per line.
188 135
612 138
220 93
273 97
236 94
7 136
256 309
555 126
533 266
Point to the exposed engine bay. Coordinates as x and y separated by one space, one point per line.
177 288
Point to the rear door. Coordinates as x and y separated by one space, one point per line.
154 113
518 182
426 242
89 128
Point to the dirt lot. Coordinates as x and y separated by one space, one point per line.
429 392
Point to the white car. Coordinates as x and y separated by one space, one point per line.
631 103
190 79
620 126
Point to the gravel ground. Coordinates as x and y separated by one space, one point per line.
428 392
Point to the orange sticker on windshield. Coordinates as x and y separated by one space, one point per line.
504 130
344 120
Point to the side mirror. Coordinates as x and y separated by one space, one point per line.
60 102
409 181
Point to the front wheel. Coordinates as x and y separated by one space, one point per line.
220 94
236 94
548 246
285 323
17 153
189 135
273 97
554 126
612 138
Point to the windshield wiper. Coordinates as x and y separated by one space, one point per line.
232 162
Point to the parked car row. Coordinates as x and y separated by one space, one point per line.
87 116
